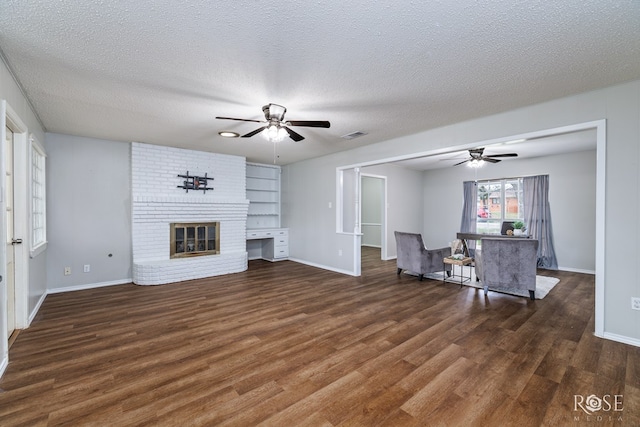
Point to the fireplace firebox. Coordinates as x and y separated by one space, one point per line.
195 239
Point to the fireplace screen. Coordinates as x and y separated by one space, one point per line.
195 239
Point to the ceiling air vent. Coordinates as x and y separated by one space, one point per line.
353 135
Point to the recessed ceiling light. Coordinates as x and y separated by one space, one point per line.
228 134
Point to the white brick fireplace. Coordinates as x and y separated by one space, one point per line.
157 202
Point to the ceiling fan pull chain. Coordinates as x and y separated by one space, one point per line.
274 152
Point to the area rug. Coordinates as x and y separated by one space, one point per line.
544 284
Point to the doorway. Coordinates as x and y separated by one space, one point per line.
373 214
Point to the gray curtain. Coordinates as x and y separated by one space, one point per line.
469 212
469 207
537 218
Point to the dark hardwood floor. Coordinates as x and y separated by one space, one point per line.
284 344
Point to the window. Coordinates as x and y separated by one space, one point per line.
498 200
38 198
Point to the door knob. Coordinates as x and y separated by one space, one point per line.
16 241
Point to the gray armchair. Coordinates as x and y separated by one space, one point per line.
414 257
507 264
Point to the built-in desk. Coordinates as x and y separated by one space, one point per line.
271 244
477 236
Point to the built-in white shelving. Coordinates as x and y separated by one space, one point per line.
265 238
263 193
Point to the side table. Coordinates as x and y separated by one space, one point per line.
460 262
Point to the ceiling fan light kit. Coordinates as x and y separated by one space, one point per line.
274 133
476 163
276 128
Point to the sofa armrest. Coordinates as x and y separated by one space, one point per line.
441 252
434 258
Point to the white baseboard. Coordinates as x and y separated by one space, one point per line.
36 308
267 259
324 267
577 270
621 338
88 286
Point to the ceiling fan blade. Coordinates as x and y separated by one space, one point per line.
250 134
309 123
240 120
293 135
503 155
490 160
465 161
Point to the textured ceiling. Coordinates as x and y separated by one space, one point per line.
159 71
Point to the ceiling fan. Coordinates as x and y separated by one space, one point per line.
276 127
477 157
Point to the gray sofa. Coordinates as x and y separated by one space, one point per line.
414 257
507 264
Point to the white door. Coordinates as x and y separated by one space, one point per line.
10 279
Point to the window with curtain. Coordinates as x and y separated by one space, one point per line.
497 201
488 203
38 197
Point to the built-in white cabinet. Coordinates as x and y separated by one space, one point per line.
263 193
265 238
269 244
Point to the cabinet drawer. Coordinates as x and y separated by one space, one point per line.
260 234
281 241
253 235
281 252
267 234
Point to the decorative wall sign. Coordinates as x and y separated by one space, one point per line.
193 182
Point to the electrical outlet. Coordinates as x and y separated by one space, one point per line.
67 271
87 268
635 303
339 252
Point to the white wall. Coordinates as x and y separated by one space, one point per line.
89 211
572 190
311 184
309 211
10 92
312 223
